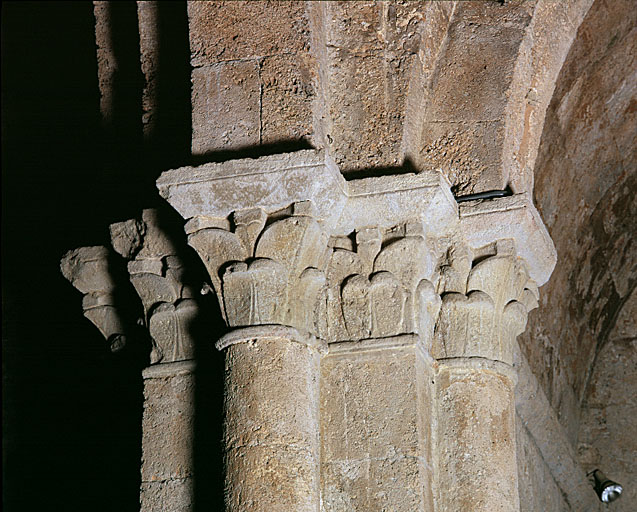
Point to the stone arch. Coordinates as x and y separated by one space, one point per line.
585 177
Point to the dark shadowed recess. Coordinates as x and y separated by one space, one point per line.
71 409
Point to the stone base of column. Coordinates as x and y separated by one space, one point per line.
271 420
167 442
375 426
477 469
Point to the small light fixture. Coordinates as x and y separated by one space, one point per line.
607 490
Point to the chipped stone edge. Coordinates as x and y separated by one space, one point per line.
269 332
514 217
372 344
477 363
163 370
241 167
335 199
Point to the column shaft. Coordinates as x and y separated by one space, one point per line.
476 440
375 427
167 439
271 429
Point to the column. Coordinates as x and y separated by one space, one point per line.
488 282
167 438
169 308
268 278
372 327
271 420
376 379
369 365
170 312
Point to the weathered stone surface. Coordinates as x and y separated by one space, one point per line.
465 92
271 183
584 189
106 61
606 439
484 319
87 268
374 484
227 31
157 273
538 490
275 280
271 426
167 425
541 55
374 293
226 106
375 431
253 82
462 133
148 21
550 444
287 83
167 496
513 218
365 53
476 441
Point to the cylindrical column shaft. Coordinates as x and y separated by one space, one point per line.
271 429
476 438
167 438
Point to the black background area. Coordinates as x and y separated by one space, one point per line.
72 409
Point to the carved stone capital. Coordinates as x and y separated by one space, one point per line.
287 241
87 270
378 284
485 305
157 274
264 269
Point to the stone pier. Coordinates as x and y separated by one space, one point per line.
372 324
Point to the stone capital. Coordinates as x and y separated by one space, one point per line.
157 274
87 268
485 302
288 241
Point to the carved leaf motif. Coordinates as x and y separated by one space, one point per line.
305 303
408 259
355 301
171 330
108 321
466 326
368 244
255 294
388 298
453 276
217 247
249 224
342 264
296 242
500 277
529 299
152 289
514 319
